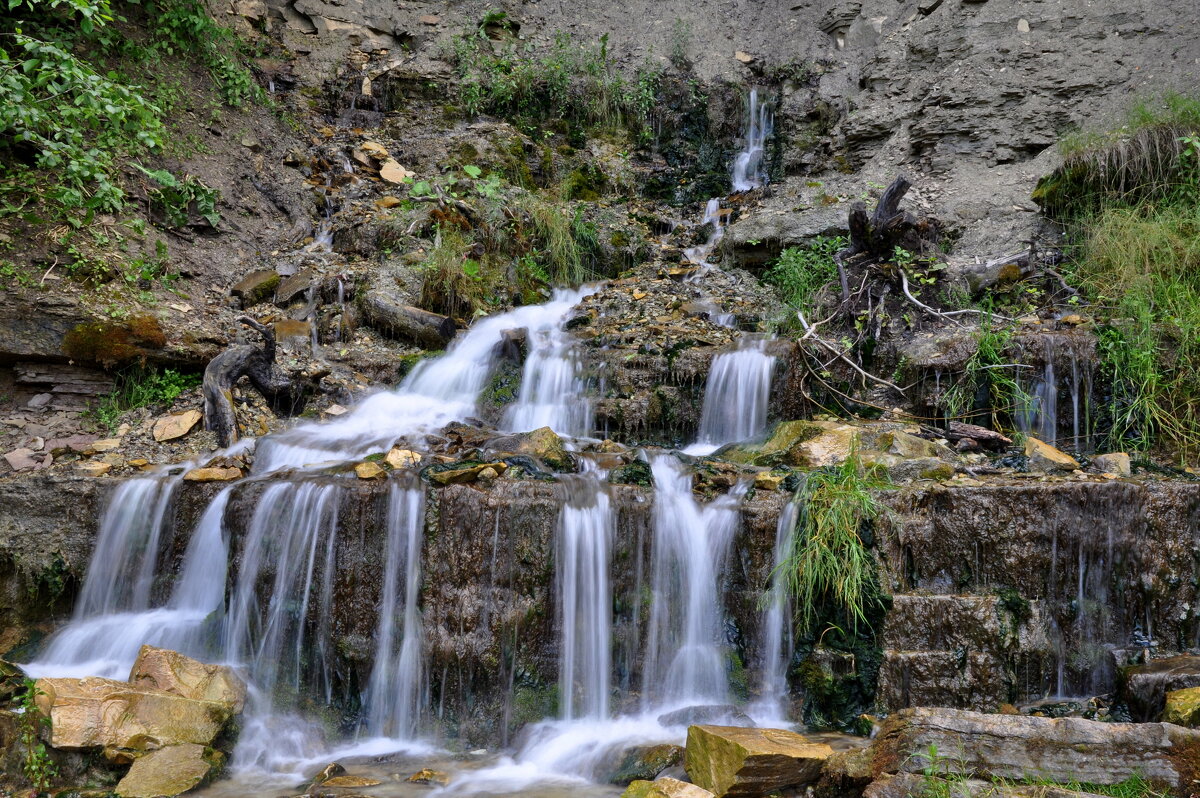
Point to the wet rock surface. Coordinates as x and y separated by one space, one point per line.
734 761
1064 750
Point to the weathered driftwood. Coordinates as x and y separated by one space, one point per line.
397 320
957 430
285 396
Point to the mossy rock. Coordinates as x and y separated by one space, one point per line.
1183 707
644 763
636 473
786 436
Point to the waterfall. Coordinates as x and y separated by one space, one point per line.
436 392
748 166
552 388
586 528
395 690
687 657
290 545
735 396
114 617
1066 368
776 627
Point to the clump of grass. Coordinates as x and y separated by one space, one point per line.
988 369
1152 158
1129 202
570 83
800 272
1144 264
829 562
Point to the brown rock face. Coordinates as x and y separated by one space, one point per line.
94 712
172 672
1056 749
730 760
170 771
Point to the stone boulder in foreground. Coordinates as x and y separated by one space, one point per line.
1063 750
165 720
736 761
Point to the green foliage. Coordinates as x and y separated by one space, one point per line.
1129 201
37 765
800 272
141 387
69 117
1136 786
176 199
1143 263
569 83
828 563
988 373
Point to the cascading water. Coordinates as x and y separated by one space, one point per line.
552 388
394 693
735 397
586 529
686 657
436 392
114 617
748 166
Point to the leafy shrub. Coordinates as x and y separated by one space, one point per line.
141 387
69 115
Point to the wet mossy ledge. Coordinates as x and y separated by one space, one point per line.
1002 565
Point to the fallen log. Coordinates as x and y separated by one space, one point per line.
285 396
397 320
957 430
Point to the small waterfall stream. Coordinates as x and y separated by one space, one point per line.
686 658
395 690
264 601
735 398
748 166
776 653
586 529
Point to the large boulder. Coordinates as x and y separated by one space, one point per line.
735 761
170 771
1145 687
94 712
172 672
1062 750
